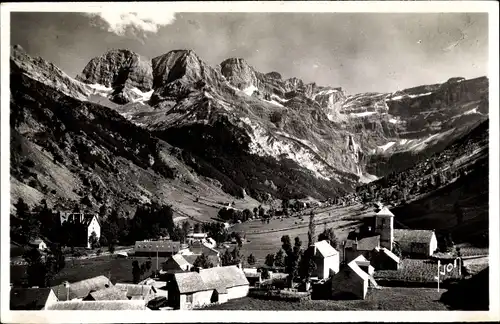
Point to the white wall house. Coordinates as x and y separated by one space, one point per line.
327 259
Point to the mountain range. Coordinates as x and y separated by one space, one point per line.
129 130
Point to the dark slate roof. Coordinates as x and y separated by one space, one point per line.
133 290
100 305
417 236
189 282
81 289
163 246
365 243
111 293
28 298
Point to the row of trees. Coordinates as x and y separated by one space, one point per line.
299 263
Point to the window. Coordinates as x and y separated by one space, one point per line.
189 298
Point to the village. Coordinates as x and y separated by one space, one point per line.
201 272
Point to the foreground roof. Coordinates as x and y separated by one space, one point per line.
99 305
28 298
81 289
189 282
112 293
133 290
218 278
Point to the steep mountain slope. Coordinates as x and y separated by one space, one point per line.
71 151
258 134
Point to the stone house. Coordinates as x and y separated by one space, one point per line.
326 258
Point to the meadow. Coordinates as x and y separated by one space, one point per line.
387 298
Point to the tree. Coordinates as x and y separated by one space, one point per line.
261 211
93 241
226 258
329 234
236 256
247 214
311 234
203 262
251 260
197 228
279 259
185 229
148 264
307 264
255 212
28 226
136 271
269 260
35 270
292 257
111 248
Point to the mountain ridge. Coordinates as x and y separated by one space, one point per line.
324 137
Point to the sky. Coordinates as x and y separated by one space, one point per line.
360 52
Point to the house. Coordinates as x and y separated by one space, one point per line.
416 243
38 244
383 259
137 292
326 259
253 276
356 245
31 298
412 242
105 305
197 247
89 221
111 293
81 289
194 289
176 263
196 237
160 248
351 282
187 290
233 278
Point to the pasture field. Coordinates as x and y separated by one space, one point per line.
263 238
116 269
415 270
387 298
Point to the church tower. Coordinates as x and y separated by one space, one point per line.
384 226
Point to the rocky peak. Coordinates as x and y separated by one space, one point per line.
273 75
239 73
179 71
119 68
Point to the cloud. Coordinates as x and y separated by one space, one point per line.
136 23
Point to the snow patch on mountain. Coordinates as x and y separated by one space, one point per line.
273 102
385 147
250 90
264 145
143 96
362 114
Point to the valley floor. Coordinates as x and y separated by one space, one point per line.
392 299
